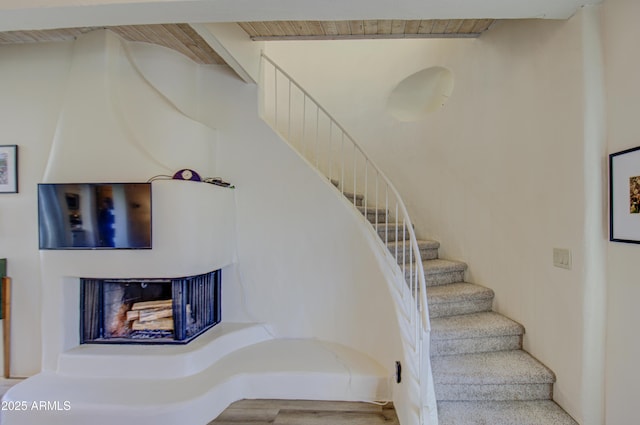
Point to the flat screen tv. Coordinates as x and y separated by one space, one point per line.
94 215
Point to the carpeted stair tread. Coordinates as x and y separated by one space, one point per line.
458 298
392 232
496 368
422 244
457 292
372 210
440 272
439 266
475 325
376 216
535 412
350 196
474 333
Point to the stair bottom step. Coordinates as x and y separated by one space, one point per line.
493 392
502 413
501 375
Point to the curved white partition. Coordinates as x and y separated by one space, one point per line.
273 369
287 279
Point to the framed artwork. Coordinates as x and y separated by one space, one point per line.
8 168
624 196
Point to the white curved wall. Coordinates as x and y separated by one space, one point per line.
421 93
115 127
304 265
293 234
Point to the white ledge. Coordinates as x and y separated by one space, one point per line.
141 361
277 369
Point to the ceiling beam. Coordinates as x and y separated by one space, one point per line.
48 14
233 44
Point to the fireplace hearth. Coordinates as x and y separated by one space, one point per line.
148 311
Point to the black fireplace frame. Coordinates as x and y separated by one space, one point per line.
92 326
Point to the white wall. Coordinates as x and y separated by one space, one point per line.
623 89
496 175
302 262
32 87
304 265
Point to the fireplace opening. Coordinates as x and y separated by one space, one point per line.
148 311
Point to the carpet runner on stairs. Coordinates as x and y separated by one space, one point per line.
481 373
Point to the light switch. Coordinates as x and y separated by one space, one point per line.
562 258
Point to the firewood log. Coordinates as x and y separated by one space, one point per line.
152 304
154 325
154 314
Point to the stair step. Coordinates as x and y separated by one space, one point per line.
375 214
474 333
428 250
443 272
357 199
500 375
458 298
393 232
537 412
438 271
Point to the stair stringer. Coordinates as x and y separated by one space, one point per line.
416 369
414 397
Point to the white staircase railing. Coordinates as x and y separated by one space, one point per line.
325 144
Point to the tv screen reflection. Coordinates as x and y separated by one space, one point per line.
94 215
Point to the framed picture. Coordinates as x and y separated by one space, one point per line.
8 169
624 196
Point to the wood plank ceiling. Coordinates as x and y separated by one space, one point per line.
330 30
184 39
180 37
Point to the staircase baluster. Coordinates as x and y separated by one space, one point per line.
377 201
366 186
342 165
396 215
330 152
404 259
289 114
355 172
317 137
275 97
304 124
386 217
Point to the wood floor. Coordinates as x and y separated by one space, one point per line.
296 412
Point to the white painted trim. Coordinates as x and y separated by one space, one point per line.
595 253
